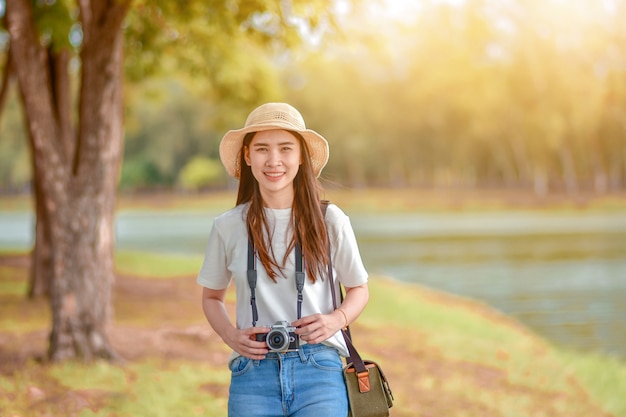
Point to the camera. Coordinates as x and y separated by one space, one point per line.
281 338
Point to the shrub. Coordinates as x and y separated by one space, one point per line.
201 173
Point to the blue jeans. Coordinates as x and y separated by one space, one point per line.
306 383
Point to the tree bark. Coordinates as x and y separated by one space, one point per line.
76 184
41 258
41 271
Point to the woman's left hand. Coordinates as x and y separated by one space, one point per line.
318 327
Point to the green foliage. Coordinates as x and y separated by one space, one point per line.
55 20
164 132
224 45
140 173
201 173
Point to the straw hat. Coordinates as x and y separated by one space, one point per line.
271 116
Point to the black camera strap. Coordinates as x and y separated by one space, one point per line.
299 278
251 274
252 278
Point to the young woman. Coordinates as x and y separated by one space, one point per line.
286 342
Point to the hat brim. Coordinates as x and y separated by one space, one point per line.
232 142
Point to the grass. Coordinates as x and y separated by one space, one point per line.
152 265
604 377
449 355
148 387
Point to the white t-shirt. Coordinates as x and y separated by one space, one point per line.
226 258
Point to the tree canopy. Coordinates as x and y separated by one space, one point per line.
426 93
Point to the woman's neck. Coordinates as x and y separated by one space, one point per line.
277 201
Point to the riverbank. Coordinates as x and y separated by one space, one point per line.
444 355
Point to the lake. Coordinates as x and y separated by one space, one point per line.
563 274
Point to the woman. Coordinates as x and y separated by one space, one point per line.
296 370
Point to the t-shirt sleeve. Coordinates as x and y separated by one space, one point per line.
346 258
214 274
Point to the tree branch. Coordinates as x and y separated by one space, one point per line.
98 16
31 70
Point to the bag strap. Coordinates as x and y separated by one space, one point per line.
354 358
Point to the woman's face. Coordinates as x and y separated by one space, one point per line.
274 157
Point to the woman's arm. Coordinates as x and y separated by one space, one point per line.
353 304
241 341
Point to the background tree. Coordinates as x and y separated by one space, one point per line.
525 94
77 154
473 94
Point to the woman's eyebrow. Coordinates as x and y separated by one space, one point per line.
259 144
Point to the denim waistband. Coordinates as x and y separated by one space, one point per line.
304 350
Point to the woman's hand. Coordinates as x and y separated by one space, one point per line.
319 327
243 341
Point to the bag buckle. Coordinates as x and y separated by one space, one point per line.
364 381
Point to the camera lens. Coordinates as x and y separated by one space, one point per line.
278 340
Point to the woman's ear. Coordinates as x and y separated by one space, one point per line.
246 155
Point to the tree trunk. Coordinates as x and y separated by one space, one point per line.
568 169
79 325
76 193
41 258
41 272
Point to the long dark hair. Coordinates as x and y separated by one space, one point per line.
307 220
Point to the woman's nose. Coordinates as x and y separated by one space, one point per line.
273 158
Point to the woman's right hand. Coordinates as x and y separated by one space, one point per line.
243 341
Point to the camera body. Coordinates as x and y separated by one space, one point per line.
281 338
